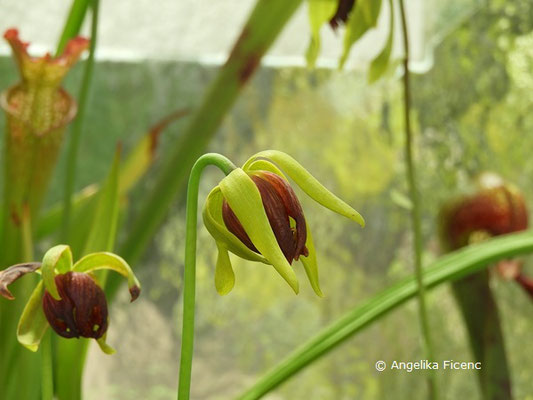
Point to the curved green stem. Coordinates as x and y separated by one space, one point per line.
74 143
415 212
187 337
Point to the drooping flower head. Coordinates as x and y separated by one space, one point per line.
68 298
255 214
281 205
494 208
81 309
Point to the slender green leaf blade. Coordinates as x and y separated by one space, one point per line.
450 267
73 24
104 222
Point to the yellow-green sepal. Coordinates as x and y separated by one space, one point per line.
245 200
32 324
308 183
212 216
109 261
107 349
310 264
224 275
261 164
58 258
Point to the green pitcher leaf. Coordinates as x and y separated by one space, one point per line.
245 200
212 216
109 261
32 324
224 275
309 184
57 258
310 263
320 11
380 63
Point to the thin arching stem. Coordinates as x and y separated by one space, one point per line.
187 336
415 212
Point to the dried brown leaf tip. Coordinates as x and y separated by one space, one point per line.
284 214
11 274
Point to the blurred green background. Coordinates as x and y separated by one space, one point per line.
472 113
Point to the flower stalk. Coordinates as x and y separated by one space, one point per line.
415 211
189 291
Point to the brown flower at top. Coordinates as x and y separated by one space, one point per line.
282 207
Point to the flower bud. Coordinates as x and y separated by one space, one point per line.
281 205
491 211
82 310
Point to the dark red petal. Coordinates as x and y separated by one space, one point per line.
496 211
344 8
277 216
280 203
82 310
235 226
293 208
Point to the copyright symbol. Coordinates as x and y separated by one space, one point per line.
380 366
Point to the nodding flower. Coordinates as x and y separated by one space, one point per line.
494 208
255 214
68 298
